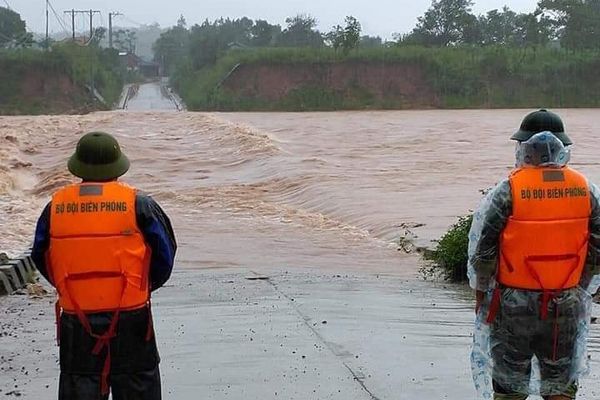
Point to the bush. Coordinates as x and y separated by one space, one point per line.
451 254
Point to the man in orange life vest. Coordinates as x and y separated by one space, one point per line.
104 246
534 249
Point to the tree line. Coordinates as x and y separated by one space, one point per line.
203 44
570 24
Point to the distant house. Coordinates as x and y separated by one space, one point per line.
236 46
148 69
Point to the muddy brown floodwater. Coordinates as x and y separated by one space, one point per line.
315 203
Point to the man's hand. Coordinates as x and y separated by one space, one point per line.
479 295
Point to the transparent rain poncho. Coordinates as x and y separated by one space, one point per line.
518 352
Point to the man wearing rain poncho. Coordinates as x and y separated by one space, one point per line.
534 253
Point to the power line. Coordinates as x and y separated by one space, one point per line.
132 21
91 14
61 23
110 27
7 5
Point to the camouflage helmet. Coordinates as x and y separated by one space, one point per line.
542 121
98 157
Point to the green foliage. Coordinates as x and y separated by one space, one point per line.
31 277
301 32
446 22
351 34
460 77
347 38
507 28
77 62
451 253
125 40
172 47
575 22
13 30
370 41
264 34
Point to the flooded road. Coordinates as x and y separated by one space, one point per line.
151 96
313 201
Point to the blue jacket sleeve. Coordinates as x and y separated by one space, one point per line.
41 242
158 233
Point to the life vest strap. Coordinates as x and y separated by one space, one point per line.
102 339
509 266
57 314
494 306
150 330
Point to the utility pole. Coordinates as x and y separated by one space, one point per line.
91 13
91 50
110 30
47 22
72 12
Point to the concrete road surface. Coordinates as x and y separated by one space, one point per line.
242 334
151 96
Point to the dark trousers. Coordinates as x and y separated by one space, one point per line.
135 386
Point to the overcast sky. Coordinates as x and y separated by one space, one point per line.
378 17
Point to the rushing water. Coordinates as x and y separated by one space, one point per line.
371 175
280 191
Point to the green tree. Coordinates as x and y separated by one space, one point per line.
445 23
575 22
13 30
351 34
125 40
301 32
181 22
347 38
370 41
335 37
172 47
99 34
498 27
507 28
532 29
264 34
211 40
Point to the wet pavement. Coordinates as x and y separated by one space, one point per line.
236 333
152 96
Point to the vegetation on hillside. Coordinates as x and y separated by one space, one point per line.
13 31
460 77
24 66
498 59
83 65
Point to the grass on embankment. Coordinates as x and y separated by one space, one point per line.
38 82
461 77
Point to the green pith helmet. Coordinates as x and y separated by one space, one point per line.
98 157
541 121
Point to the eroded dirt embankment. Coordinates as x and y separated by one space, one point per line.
399 85
33 90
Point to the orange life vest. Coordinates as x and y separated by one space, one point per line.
98 259
544 245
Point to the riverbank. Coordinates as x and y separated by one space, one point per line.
400 77
35 82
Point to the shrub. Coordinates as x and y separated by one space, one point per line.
451 253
